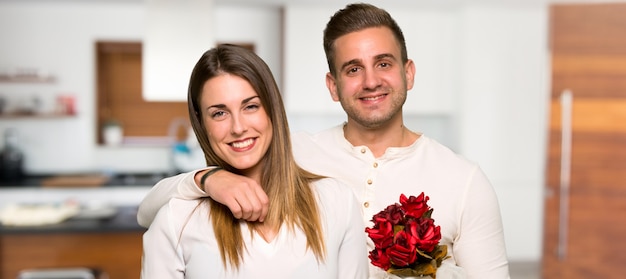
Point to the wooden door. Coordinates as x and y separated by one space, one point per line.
585 207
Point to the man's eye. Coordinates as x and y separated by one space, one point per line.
353 70
384 65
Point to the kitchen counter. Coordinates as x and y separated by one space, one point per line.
124 219
112 246
118 179
118 196
109 243
122 192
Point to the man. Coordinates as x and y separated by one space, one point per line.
370 74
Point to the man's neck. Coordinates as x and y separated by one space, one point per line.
380 138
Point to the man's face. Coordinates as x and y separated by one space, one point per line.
371 82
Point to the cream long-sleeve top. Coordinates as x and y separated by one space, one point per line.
464 202
180 243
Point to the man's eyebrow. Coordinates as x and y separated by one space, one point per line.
351 62
377 57
385 55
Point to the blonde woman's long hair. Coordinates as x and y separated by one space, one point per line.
291 200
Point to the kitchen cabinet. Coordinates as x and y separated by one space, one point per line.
113 246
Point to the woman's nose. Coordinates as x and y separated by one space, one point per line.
238 124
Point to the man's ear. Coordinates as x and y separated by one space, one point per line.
331 83
409 71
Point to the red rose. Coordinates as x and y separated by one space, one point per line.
414 206
381 234
405 238
402 252
380 259
393 213
427 234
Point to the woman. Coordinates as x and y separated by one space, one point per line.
313 227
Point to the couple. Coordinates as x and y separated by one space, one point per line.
313 219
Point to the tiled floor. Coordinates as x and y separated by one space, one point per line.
524 270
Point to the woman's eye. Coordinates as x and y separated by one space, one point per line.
252 107
217 114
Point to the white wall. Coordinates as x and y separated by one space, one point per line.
60 39
431 36
481 87
503 117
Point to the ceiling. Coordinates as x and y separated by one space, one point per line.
412 3
386 3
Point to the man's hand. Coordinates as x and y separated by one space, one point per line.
243 196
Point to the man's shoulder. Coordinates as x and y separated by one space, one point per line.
309 137
438 152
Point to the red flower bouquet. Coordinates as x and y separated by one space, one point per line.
406 240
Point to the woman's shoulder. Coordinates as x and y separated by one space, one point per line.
178 212
333 192
183 205
330 185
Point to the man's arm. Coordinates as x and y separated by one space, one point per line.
182 186
480 248
242 195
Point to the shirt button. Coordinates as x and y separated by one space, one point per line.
363 150
375 164
366 204
369 182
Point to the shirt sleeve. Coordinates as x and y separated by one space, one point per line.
480 248
162 255
179 186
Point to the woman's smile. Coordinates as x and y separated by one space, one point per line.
243 145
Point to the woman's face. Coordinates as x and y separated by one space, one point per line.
238 127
